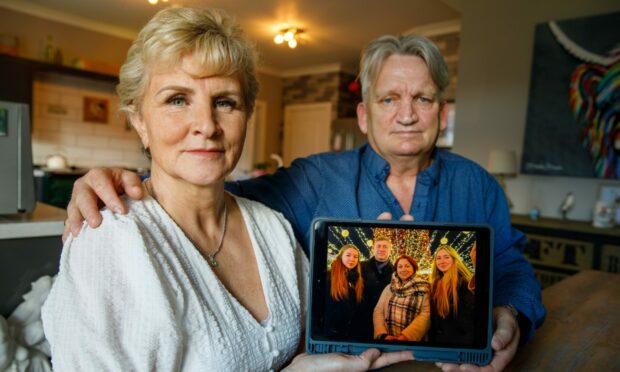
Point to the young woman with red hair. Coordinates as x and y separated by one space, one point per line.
452 302
344 299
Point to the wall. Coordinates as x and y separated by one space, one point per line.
311 89
271 92
323 87
497 39
448 44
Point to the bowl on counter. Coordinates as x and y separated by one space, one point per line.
56 162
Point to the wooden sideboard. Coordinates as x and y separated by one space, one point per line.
558 249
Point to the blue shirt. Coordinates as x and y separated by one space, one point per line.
352 184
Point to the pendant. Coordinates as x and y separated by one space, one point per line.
211 260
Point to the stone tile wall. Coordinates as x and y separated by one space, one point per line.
312 89
326 87
333 86
347 100
449 46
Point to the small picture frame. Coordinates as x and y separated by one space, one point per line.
610 195
95 110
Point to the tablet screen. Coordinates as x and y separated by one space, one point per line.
400 284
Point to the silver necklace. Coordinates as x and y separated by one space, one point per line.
210 257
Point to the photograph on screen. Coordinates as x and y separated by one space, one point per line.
396 285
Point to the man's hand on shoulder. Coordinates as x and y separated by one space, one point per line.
99 187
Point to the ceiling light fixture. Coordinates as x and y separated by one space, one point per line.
290 35
154 2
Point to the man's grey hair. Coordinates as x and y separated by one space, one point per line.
379 50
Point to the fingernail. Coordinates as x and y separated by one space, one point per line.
117 209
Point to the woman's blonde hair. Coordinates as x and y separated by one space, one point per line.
211 35
445 287
339 281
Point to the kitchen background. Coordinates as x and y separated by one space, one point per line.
306 104
494 41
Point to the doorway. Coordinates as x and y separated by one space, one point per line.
307 129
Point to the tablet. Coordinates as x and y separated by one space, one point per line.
395 285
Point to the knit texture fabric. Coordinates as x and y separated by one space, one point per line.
136 295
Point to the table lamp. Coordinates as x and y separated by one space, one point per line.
503 164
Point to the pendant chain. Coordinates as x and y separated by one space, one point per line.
209 257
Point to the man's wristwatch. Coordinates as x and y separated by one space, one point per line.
513 311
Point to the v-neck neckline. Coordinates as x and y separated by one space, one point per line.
195 264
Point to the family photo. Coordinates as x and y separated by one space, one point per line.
398 284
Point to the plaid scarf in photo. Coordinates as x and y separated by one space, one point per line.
405 303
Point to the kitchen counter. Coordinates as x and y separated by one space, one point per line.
71 171
44 220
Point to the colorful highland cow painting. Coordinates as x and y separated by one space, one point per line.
573 118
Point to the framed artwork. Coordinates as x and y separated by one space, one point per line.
95 110
573 115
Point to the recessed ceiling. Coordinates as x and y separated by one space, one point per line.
336 30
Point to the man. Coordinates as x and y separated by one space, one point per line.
400 172
377 273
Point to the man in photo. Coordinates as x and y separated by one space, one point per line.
377 273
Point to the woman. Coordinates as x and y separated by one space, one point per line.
403 310
187 279
452 303
344 300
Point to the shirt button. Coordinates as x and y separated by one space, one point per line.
275 353
269 329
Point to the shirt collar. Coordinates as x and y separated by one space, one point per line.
375 164
380 265
431 174
379 168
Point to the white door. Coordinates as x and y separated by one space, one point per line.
307 130
254 146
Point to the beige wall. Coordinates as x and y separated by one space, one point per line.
271 93
497 39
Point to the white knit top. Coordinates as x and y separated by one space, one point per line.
136 295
